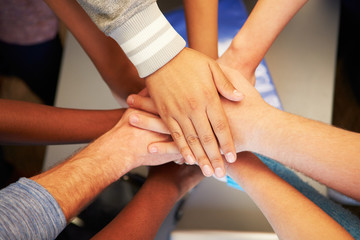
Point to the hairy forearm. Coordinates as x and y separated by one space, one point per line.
75 182
202 26
320 151
276 199
29 123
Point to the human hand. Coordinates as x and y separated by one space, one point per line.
241 115
185 95
232 58
128 144
183 177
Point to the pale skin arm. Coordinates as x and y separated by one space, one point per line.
291 214
104 52
30 123
264 24
99 164
202 26
320 151
143 216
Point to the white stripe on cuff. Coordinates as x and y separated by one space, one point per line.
154 47
144 34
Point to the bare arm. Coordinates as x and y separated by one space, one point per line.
30 123
111 62
320 151
202 26
143 216
264 24
79 179
170 70
290 213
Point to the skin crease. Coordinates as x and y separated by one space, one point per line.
191 117
256 179
308 146
99 164
194 130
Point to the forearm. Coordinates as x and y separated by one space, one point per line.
320 151
264 24
104 52
79 179
29 123
142 217
276 199
202 26
150 205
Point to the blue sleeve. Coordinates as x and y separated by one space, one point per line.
29 211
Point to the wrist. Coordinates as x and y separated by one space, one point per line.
248 126
148 40
113 164
242 55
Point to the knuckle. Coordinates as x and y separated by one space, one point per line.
192 139
227 85
203 161
164 110
193 103
184 150
220 126
227 146
208 93
176 135
208 139
216 161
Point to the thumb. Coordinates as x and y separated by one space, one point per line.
224 86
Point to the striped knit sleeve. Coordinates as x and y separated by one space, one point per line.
29 211
148 40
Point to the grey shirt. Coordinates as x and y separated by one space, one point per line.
28 211
140 28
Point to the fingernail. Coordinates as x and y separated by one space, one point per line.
219 172
190 159
133 119
238 94
178 162
207 171
130 101
153 150
230 157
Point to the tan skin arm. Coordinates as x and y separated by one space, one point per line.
202 26
264 24
99 164
104 52
143 216
30 123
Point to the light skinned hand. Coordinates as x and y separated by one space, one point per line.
185 93
251 107
137 140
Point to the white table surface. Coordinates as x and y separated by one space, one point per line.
302 65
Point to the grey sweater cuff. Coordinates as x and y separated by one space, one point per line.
29 211
148 40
